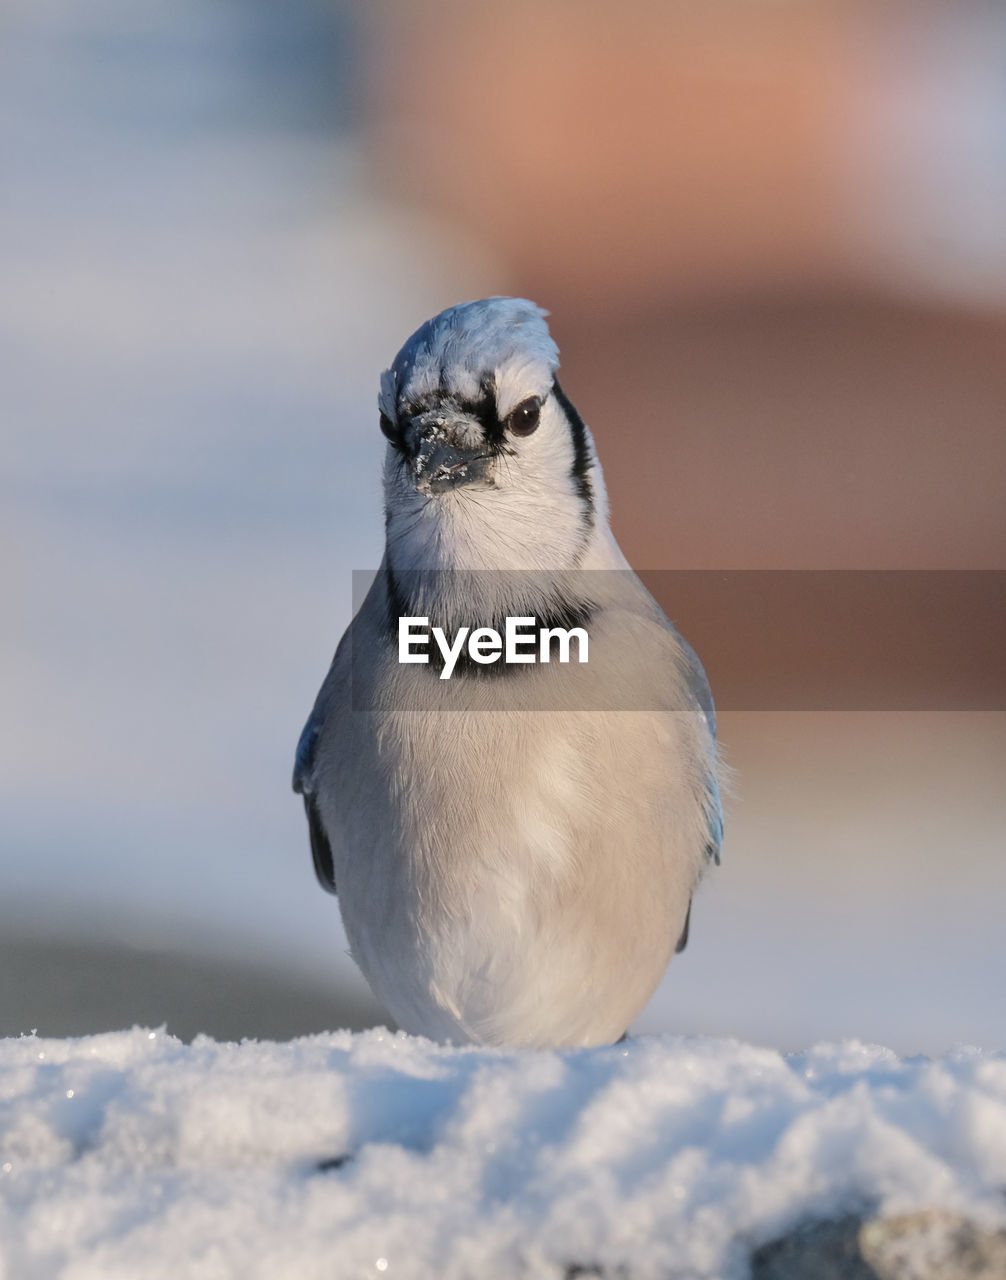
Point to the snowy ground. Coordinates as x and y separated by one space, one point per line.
132 1155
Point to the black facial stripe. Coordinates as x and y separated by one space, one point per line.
483 409
397 440
488 414
581 450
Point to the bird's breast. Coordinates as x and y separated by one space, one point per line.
499 871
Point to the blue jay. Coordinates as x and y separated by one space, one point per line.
515 849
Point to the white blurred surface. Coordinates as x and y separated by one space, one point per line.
924 150
862 889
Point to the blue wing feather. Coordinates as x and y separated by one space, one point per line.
303 766
303 783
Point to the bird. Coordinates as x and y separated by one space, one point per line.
514 848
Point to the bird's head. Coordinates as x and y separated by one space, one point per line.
488 464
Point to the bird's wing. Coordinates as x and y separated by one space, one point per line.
698 685
325 722
690 669
698 688
303 784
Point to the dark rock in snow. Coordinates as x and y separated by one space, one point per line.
930 1245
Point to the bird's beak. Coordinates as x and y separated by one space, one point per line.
441 465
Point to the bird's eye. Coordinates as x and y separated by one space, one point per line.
524 419
390 429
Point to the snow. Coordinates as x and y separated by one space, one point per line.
134 1155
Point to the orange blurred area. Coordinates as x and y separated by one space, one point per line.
623 160
815 433
620 159
767 236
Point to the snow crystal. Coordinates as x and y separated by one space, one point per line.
134 1155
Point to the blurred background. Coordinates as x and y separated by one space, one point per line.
772 238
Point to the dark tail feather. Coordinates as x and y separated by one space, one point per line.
683 940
